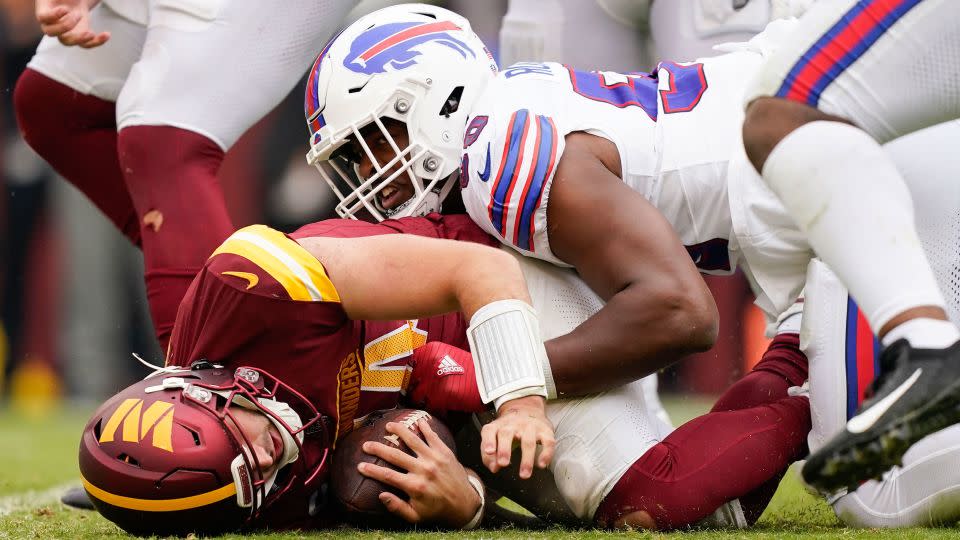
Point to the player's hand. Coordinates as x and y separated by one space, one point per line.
524 420
435 481
69 21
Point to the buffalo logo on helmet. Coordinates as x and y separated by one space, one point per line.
393 45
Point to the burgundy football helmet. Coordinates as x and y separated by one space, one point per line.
165 456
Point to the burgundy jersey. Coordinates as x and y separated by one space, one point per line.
262 300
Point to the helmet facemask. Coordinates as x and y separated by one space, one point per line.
413 164
257 391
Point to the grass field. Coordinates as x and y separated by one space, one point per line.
39 461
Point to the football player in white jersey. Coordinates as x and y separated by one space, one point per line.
853 75
357 97
135 102
563 144
647 158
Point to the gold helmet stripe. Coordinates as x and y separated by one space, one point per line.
160 505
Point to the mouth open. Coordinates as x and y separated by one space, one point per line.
390 197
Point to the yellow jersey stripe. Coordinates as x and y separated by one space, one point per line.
160 505
313 271
383 379
289 263
394 345
262 258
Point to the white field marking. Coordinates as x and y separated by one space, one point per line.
32 499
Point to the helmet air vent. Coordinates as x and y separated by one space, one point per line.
126 458
196 436
452 103
355 89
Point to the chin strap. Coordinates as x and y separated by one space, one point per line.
158 369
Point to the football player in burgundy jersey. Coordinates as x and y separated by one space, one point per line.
310 331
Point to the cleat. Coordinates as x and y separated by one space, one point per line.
917 394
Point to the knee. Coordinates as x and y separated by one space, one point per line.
167 147
30 108
635 520
768 120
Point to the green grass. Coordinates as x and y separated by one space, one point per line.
39 459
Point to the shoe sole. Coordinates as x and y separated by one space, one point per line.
846 468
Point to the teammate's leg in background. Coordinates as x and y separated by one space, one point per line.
64 103
171 148
848 197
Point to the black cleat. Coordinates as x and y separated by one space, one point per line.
76 497
918 393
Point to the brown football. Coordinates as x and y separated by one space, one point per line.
357 495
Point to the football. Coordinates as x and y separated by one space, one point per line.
357 495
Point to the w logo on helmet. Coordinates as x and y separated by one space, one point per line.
136 425
393 45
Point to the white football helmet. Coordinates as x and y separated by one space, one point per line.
415 63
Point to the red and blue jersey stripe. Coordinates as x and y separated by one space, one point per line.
544 159
509 170
862 357
845 42
533 176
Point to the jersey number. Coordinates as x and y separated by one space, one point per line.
685 86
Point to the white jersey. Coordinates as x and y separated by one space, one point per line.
675 131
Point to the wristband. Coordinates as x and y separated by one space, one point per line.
477 485
508 353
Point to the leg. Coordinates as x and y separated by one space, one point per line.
64 103
854 207
796 125
162 165
925 490
738 450
707 462
84 151
171 149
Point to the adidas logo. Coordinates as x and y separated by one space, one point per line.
448 366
